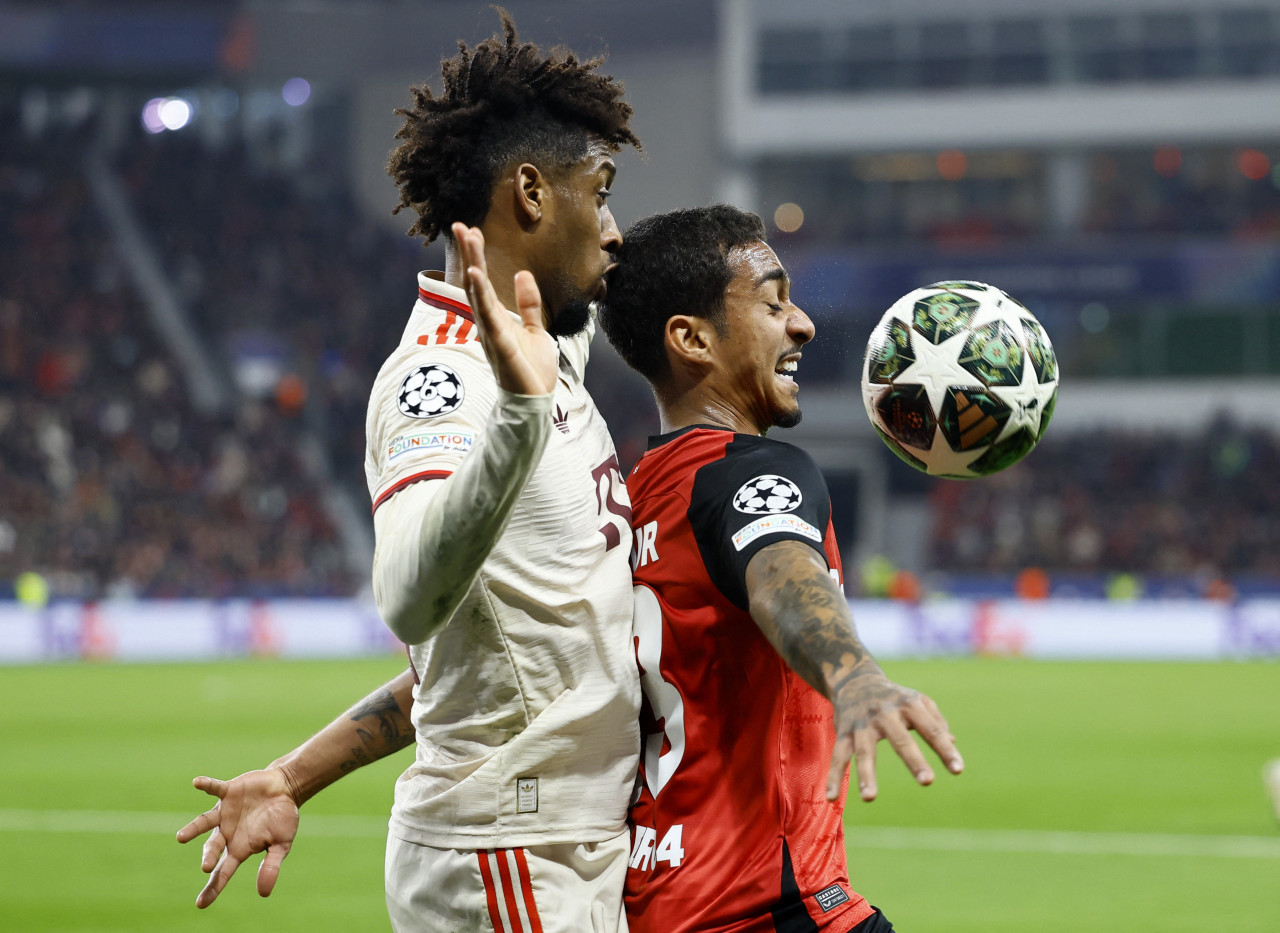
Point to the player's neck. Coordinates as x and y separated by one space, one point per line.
502 270
700 408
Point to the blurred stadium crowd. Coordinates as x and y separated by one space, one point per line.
113 482
1189 514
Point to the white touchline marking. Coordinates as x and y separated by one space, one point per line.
149 822
1186 845
1063 842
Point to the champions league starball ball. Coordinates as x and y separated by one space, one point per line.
959 379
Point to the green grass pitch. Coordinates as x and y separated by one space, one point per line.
1117 796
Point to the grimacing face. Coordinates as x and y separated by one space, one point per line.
759 353
583 237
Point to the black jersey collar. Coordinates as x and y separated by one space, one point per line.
657 440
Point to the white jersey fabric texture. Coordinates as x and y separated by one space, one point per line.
527 707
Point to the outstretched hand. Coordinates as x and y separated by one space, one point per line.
523 355
254 812
870 707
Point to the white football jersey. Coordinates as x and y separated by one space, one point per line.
527 706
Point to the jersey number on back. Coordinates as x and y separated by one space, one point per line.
664 699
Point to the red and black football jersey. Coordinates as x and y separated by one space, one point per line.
731 828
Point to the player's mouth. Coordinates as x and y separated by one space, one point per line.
787 368
603 288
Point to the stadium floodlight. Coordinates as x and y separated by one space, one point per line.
175 113
151 121
296 91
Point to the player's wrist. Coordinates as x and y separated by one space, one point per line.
284 775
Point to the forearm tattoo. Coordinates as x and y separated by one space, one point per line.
383 728
805 617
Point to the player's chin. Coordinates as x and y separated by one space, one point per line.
788 416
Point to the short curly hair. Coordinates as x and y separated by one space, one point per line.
503 100
672 263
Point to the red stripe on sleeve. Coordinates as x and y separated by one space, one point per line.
489 894
463 329
442 332
526 885
445 304
504 872
426 474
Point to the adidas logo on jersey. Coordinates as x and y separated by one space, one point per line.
560 420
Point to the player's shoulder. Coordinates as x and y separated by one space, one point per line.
759 474
749 452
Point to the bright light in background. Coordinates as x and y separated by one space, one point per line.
166 113
296 91
788 217
151 115
175 113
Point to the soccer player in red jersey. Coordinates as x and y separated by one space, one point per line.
754 679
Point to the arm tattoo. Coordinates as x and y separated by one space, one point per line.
803 614
383 728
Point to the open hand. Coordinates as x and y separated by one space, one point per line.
523 355
254 812
870 707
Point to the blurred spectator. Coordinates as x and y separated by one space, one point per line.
110 482
1201 507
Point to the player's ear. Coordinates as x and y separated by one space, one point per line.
689 340
530 193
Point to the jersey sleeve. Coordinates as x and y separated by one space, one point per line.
427 409
754 496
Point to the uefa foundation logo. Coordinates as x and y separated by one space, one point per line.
429 391
768 494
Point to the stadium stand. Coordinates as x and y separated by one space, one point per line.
111 483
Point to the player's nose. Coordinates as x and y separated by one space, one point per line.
610 235
800 326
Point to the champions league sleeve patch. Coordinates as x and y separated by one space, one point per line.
429 391
768 494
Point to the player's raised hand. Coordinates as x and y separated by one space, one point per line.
254 812
868 708
521 352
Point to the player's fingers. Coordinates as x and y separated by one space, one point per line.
840 756
528 300
269 870
897 735
470 245
218 880
211 786
864 750
200 825
212 851
484 301
932 726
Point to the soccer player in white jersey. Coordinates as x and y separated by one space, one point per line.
502 530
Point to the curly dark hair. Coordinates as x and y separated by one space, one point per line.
672 263
503 100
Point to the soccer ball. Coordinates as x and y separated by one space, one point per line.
959 379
